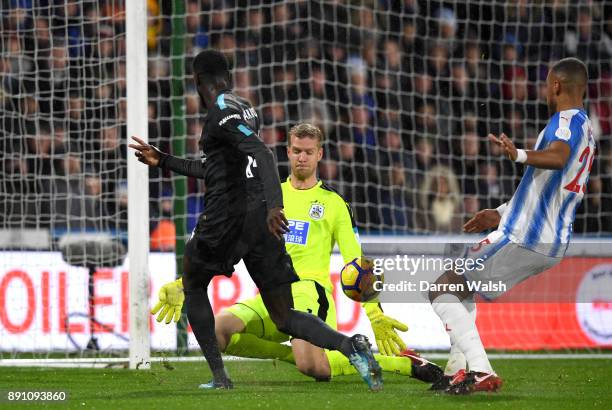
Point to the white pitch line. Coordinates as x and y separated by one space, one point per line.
104 361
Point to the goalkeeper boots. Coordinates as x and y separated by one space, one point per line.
423 369
476 381
363 360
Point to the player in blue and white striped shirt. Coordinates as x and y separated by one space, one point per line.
533 228
541 213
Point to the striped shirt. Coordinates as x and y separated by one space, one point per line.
541 212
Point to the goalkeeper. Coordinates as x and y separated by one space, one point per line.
318 218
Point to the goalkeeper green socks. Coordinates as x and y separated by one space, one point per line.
395 364
340 365
248 345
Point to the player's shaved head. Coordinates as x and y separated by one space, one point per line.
212 63
211 75
572 73
306 130
566 85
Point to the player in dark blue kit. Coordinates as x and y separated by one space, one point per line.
243 219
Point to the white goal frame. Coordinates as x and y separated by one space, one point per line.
138 185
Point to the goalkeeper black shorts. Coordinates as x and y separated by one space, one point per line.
217 245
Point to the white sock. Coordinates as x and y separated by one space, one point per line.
456 361
470 306
456 358
462 331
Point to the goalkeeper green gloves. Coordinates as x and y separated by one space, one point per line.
384 327
171 298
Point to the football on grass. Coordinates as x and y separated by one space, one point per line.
357 279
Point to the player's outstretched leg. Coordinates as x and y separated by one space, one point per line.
279 303
464 334
423 369
408 363
201 319
456 366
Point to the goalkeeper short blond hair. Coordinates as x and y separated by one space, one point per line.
306 130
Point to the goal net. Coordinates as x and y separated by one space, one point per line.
405 93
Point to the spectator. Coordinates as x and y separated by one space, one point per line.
466 162
163 231
440 202
395 203
112 168
39 156
74 200
242 86
362 131
197 35
471 205
328 172
463 92
585 42
360 94
490 186
353 177
274 139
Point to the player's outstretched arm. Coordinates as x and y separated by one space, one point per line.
555 156
153 157
385 330
384 327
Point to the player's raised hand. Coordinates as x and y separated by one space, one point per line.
147 154
483 220
277 223
505 144
171 298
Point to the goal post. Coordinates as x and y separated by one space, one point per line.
138 185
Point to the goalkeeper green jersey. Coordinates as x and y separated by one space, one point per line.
318 218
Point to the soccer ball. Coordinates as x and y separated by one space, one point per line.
357 279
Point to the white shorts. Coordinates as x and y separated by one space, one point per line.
503 265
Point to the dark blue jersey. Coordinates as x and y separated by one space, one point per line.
238 169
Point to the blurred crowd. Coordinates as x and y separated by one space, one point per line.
405 92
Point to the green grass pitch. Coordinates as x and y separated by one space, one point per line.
553 384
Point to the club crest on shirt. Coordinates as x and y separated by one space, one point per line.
316 210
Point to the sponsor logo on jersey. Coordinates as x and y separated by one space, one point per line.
316 211
229 117
249 113
564 133
298 232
